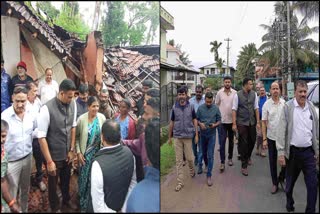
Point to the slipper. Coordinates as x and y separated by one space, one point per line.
179 187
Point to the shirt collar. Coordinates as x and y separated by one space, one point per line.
178 104
110 147
296 104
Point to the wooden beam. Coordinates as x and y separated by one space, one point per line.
73 68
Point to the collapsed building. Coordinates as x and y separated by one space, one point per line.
26 37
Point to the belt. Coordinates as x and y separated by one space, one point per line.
21 158
300 149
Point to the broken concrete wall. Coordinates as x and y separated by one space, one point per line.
44 58
10 40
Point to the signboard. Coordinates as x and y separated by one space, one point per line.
290 87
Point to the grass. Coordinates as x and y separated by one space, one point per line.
167 154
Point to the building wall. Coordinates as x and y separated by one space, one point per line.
10 41
28 58
163 45
90 59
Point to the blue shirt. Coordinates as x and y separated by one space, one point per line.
261 102
6 90
208 115
145 195
124 127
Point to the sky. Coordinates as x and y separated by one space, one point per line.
199 23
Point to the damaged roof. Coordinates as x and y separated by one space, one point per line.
125 71
33 23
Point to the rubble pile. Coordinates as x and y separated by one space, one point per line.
125 71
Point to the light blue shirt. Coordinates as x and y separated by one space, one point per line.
145 196
193 101
124 127
20 134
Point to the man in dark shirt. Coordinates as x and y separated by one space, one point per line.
209 119
6 88
82 100
21 78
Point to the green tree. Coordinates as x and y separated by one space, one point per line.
214 49
303 49
309 9
245 65
48 9
69 19
213 82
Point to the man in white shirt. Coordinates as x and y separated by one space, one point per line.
19 146
113 173
298 144
270 118
245 119
48 88
33 106
224 101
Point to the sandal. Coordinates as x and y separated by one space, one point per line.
192 172
179 187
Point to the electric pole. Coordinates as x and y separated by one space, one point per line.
289 43
228 39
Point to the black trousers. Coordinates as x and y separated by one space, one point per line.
302 159
63 171
273 157
247 139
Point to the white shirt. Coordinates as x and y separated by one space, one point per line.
47 91
20 134
97 193
271 113
34 108
43 120
236 100
302 126
224 101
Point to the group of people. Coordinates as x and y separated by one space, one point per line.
117 156
288 130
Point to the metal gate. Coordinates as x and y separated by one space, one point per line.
168 97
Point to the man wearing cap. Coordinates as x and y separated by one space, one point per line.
146 85
6 88
21 78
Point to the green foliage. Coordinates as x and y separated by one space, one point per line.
116 31
214 83
214 49
167 154
69 19
48 8
245 66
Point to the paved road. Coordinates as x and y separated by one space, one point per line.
231 191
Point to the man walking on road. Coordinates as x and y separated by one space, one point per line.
270 117
298 144
261 101
224 100
245 120
182 127
196 101
209 118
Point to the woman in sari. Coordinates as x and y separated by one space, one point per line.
127 124
88 142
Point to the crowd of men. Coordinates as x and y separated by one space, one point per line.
118 157
288 130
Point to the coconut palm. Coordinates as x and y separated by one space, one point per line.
309 9
245 65
303 49
214 49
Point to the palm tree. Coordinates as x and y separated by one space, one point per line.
309 9
214 49
245 64
303 49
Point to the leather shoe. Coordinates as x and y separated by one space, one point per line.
70 205
200 170
230 163
209 181
290 209
274 189
244 171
